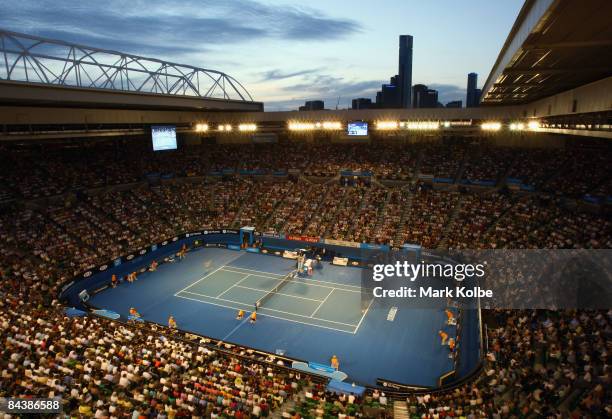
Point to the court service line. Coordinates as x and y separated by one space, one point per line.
322 302
308 281
364 315
272 309
268 315
235 285
278 293
201 279
206 276
207 302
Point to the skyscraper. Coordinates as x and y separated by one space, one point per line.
454 104
417 89
405 70
313 105
361 103
389 95
471 99
477 94
424 97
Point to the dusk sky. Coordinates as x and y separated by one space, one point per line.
285 52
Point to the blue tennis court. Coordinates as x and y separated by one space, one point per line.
307 301
308 318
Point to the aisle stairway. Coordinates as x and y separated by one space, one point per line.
402 223
400 410
443 243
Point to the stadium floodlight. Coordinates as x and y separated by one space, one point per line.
247 127
331 125
387 125
422 125
461 123
310 126
533 125
447 124
302 126
517 126
491 126
225 127
201 127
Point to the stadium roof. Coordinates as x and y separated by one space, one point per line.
36 70
554 46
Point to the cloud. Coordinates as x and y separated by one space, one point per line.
326 87
278 74
333 86
448 92
152 27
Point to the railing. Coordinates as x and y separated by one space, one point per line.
33 59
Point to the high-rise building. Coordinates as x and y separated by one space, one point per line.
405 71
454 104
471 99
417 89
313 105
361 103
477 97
424 97
389 96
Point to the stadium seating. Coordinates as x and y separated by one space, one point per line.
61 215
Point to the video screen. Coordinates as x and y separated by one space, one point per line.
163 137
357 128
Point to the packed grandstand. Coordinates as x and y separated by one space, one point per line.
67 208
134 189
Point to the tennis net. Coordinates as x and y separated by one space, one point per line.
286 279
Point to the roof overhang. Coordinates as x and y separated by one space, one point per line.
554 46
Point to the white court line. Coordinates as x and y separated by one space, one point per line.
269 315
272 309
235 285
201 279
206 276
364 314
270 275
322 302
253 270
278 293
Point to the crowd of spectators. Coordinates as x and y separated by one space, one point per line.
477 213
487 164
34 172
428 216
540 363
550 364
105 369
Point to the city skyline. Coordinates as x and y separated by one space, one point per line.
287 53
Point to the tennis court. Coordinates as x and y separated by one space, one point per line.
329 305
307 318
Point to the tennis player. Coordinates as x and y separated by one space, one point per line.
253 317
240 315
